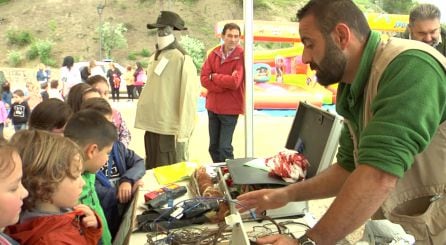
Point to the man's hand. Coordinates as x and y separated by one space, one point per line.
262 200
124 192
277 240
90 219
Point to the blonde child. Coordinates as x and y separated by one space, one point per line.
95 136
130 82
12 191
52 175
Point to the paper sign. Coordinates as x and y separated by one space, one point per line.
161 65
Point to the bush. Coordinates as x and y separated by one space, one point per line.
144 64
195 48
14 58
44 47
41 49
32 52
132 56
145 52
19 38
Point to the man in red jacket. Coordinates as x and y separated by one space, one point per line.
223 76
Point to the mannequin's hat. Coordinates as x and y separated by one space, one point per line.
168 18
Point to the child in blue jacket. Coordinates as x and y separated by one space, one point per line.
117 180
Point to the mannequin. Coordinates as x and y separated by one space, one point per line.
165 37
167 106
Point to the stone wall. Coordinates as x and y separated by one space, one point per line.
18 77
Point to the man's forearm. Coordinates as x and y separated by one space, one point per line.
362 194
324 185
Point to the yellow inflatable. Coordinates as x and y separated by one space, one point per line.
288 80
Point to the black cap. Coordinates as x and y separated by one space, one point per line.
168 18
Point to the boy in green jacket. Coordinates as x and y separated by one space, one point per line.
95 135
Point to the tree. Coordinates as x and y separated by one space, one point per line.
397 6
195 48
113 37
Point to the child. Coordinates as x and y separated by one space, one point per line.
6 94
52 175
50 115
44 91
33 96
20 110
130 82
101 84
119 177
54 91
78 93
95 135
12 191
3 117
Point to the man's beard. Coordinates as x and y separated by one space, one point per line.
332 67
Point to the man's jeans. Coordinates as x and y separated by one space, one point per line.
221 130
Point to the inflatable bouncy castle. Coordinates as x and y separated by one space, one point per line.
281 79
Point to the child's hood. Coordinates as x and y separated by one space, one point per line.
33 229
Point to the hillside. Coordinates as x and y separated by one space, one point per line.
75 23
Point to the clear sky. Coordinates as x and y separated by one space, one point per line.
441 4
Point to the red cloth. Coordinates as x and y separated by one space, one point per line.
290 165
226 89
55 229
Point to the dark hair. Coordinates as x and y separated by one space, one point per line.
138 66
98 104
328 13
6 87
230 26
93 80
90 127
91 90
76 95
50 114
68 61
47 159
425 11
54 83
19 92
44 85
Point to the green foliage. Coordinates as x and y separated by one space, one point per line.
144 64
52 24
41 49
14 58
112 37
145 52
32 52
190 2
262 4
19 38
44 47
132 56
195 48
397 6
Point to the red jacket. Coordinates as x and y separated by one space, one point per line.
227 88
54 229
